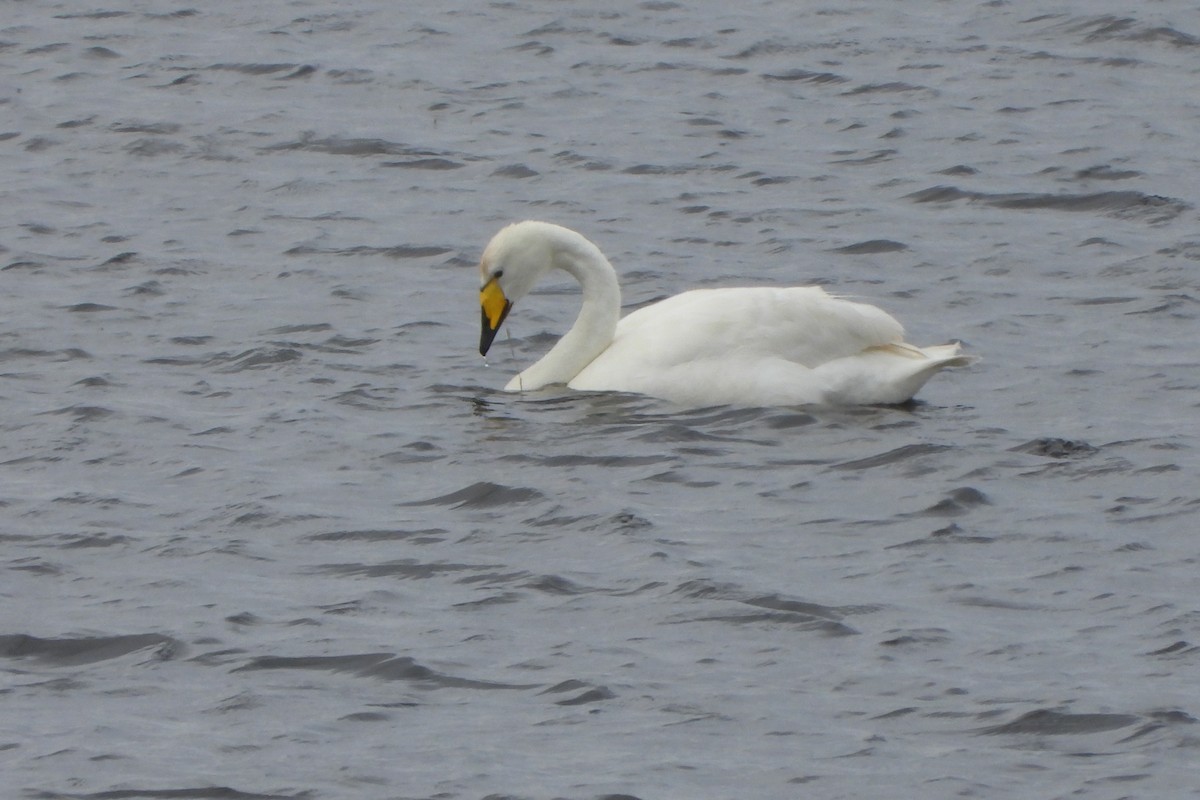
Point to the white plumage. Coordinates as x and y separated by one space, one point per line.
759 346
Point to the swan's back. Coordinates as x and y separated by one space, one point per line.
762 346
800 324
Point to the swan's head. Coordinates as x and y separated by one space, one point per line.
512 263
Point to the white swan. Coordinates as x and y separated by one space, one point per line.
748 347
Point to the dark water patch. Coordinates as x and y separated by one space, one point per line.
293 70
555 584
90 308
577 460
656 169
483 494
1180 306
146 289
1123 204
334 344
588 163
1179 648
83 413
365 716
777 602
256 358
517 171
678 433
978 601
405 569
874 158
594 695
890 86
503 598
893 456
778 609
177 361
556 520
558 585
871 246
351 76
36 566
423 535
71 652
141 126
20 353
773 180
1103 301
1158 721
621 522
411 454
338 146
951 534
916 638
432 164
805 76
671 476
1046 722
1153 510
1107 27
315 327
373 399
788 420
118 262
790 620
153 147
24 264
198 793
957 502
535 47
87 499
402 251
1053 447
1104 172
72 541
896 713
1187 249
384 666
493 578
588 693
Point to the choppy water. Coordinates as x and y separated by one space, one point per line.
270 530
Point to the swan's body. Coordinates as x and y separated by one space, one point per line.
749 346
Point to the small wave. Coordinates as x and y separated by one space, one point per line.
385 666
871 246
255 358
88 649
483 494
406 569
1154 208
1046 722
396 251
1056 448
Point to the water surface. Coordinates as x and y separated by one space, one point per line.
271 530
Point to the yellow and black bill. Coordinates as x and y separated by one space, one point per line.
495 307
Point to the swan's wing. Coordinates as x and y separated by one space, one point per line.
801 324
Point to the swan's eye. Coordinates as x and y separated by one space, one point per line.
498 273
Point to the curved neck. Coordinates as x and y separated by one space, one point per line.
596 324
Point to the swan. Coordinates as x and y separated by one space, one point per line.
761 346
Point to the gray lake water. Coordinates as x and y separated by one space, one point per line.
271 530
